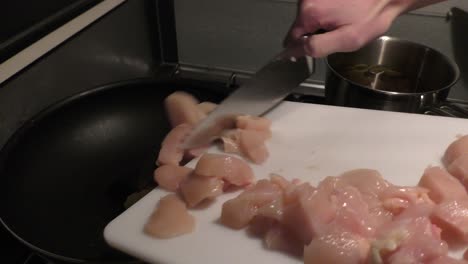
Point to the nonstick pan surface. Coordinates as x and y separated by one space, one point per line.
69 171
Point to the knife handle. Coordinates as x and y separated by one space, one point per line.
295 51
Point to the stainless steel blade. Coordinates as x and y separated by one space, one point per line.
268 87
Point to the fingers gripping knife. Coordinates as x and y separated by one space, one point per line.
266 89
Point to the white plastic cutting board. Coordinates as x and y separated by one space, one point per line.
309 142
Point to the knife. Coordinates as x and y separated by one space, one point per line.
266 89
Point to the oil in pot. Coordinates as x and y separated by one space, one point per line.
383 78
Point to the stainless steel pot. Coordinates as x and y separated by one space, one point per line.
390 74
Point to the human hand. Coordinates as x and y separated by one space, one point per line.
348 24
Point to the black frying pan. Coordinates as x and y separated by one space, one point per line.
68 172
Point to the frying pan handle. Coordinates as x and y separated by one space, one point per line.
447 109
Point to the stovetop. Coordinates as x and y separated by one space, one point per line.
139 65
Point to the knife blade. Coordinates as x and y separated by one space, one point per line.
266 89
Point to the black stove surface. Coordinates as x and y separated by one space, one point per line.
16 252
25 21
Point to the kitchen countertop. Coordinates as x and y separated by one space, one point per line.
55 38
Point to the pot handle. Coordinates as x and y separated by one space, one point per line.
449 109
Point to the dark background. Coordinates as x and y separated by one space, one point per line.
25 21
121 45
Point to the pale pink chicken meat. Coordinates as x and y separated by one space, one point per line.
198 189
170 176
294 192
337 247
371 184
272 210
260 124
279 238
311 213
459 169
408 240
368 181
229 168
248 143
169 219
338 220
452 217
275 235
259 225
352 213
239 211
397 198
441 185
465 255
207 107
455 150
171 151
230 145
190 154
231 141
183 108
415 211
252 145
282 182
447 260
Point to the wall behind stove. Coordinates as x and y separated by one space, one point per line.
116 47
244 34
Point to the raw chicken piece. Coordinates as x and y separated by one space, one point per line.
452 217
254 123
441 185
231 141
275 236
397 198
238 212
272 210
455 150
252 145
459 169
278 238
415 211
197 189
190 154
229 168
259 225
170 176
337 246
352 213
311 213
408 240
281 181
207 107
170 218
171 152
249 143
465 255
447 260
395 205
369 182
181 108
230 145
294 192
